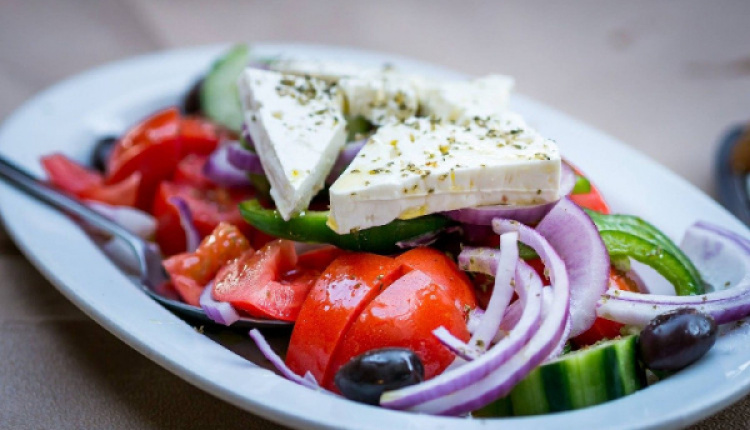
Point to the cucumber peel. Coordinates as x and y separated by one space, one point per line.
605 371
219 96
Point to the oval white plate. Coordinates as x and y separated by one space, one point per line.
71 115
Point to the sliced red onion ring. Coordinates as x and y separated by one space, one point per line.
483 215
496 372
279 364
722 257
219 312
136 221
244 159
218 170
502 292
472 320
344 159
572 233
192 237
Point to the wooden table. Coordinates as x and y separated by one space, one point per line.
667 78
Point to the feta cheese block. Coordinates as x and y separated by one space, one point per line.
424 165
380 97
329 71
462 101
298 130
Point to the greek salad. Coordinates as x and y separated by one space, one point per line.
434 252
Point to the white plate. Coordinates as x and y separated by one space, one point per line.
71 115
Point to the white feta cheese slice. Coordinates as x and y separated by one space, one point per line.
424 165
462 101
298 130
380 97
329 71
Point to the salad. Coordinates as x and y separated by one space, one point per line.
434 252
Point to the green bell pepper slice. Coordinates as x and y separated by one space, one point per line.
310 226
633 225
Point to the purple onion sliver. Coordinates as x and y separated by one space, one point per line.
219 171
347 154
456 345
244 159
567 179
278 363
219 312
192 237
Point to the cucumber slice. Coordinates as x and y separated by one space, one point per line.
587 377
220 99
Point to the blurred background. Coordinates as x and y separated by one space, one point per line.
666 77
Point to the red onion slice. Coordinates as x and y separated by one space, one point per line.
485 379
244 159
192 237
483 215
347 154
492 375
723 258
219 312
501 294
279 364
572 233
219 171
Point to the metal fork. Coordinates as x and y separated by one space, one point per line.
151 273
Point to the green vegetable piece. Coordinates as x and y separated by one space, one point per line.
220 99
582 186
590 376
310 226
637 227
621 244
357 126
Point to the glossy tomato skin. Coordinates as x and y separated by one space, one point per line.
152 148
189 171
265 283
70 177
347 285
443 272
404 316
592 200
155 146
209 206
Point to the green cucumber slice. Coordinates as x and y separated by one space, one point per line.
597 374
220 99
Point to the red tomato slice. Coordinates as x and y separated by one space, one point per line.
153 148
71 177
224 244
348 284
320 258
604 328
444 272
209 207
265 283
188 289
190 171
404 315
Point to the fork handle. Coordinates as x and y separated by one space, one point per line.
24 181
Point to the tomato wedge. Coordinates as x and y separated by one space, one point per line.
592 200
404 315
209 207
191 271
71 177
348 284
266 283
443 272
155 146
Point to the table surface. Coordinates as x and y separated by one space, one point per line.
668 78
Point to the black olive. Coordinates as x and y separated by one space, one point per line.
102 150
676 339
365 377
191 105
